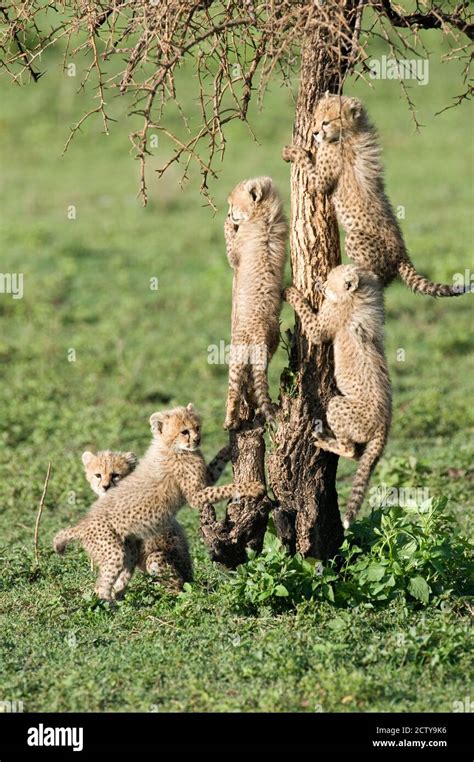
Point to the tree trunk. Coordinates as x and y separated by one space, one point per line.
306 513
303 479
245 519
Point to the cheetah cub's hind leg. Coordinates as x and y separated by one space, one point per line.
237 382
167 558
130 562
112 567
344 449
347 423
342 417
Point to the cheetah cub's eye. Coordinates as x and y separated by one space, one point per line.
325 124
98 476
185 433
115 476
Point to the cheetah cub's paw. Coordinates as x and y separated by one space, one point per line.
269 411
289 153
345 450
290 294
231 423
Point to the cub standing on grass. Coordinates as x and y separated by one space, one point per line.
352 317
166 555
171 473
348 169
255 232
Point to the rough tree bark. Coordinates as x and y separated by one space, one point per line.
303 479
245 519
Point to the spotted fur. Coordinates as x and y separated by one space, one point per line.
352 318
255 232
171 473
348 169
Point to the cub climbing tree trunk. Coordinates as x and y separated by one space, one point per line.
303 479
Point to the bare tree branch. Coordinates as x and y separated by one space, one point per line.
236 47
434 18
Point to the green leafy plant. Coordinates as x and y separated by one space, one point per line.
397 470
414 553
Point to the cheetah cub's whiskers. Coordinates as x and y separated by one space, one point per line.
255 232
171 473
352 317
348 169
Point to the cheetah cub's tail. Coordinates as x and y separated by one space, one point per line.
419 284
373 450
63 538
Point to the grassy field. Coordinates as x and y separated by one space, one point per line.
90 352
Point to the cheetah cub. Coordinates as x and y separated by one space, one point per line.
352 317
348 169
165 556
255 232
171 473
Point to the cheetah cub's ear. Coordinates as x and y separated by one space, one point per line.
156 422
190 407
130 458
353 108
351 282
87 457
258 188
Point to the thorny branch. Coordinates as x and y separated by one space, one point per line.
136 48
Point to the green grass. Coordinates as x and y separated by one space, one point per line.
87 289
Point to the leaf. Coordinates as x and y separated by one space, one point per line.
338 623
419 589
375 572
409 549
328 592
281 591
